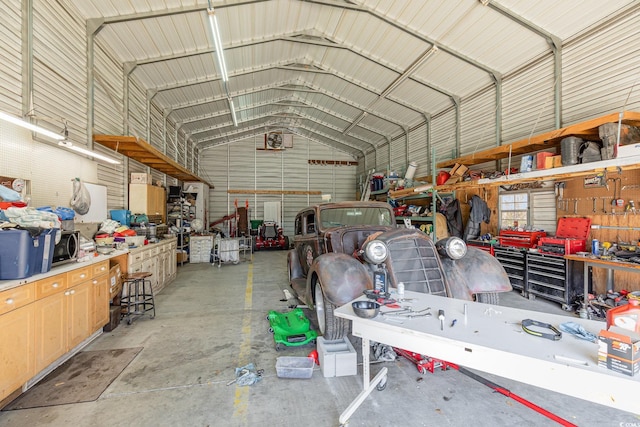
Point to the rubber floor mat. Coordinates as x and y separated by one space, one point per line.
83 378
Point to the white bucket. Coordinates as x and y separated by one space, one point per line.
411 170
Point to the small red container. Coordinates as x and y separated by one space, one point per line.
625 316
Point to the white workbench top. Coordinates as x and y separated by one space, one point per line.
8 284
491 340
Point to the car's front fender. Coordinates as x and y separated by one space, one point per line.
295 270
343 277
476 272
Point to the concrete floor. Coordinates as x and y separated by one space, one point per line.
212 320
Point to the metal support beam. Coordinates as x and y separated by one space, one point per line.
427 123
27 56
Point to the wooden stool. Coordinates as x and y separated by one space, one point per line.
139 296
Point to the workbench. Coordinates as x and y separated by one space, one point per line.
490 339
592 261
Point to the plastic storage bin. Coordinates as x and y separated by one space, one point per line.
123 216
42 250
294 367
15 254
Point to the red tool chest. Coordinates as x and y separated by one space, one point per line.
520 239
571 237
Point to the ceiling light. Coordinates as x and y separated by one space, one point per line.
412 68
217 41
68 144
233 112
355 123
30 126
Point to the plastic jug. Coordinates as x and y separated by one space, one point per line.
625 316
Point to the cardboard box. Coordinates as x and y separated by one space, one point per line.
619 350
453 180
181 256
459 170
337 358
115 280
541 159
553 162
141 178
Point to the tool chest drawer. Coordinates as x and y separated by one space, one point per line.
514 263
554 278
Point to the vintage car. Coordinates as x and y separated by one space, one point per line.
338 248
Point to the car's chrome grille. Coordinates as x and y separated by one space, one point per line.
415 263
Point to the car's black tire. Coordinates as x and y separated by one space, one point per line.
492 298
330 326
286 242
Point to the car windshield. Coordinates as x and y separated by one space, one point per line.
337 217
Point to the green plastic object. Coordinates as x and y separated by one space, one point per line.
290 329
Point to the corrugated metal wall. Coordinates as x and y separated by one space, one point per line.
245 166
419 150
443 135
478 124
11 56
601 70
527 102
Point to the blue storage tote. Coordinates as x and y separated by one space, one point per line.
123 216
42 250
16 247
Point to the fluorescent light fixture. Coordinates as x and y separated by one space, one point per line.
31 127
355 122
70 146
217 41
412 68
233 112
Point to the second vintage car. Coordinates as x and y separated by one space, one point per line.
342 249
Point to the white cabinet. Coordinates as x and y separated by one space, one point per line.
154 258
200 248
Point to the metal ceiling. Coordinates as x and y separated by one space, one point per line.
353 74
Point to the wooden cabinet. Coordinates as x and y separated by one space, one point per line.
148 199
17 338
45 319
50 320
68 309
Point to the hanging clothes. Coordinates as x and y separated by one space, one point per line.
450 208
480 212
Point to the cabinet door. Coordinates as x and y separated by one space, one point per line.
51 329
79 319
17 360
100 297
151 266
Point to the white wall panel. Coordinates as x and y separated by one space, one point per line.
137 114
45 165
398 161
478 123
11 57
241 166
419 149
600 71
59 70
528 101
443 136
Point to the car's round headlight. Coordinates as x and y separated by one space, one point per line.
375 252
452 247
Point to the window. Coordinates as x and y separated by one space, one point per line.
533 208
514 210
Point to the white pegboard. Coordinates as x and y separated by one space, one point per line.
48 168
